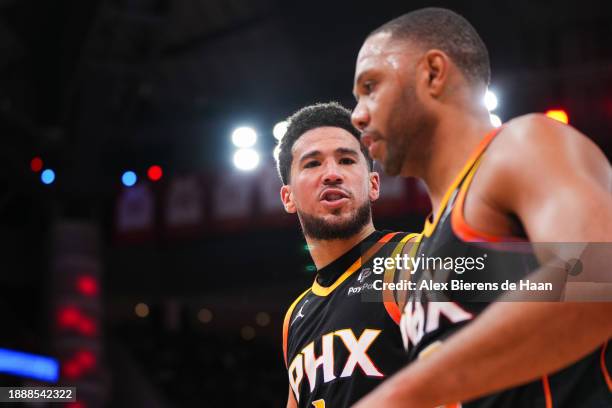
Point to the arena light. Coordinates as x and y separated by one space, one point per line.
205 315
47 176
71 369
86 359
141 310
129 178
247 333
87 285
244 137
262 319
68 317
558 114
246 159
495 120
87 326
490 101
29 365
280 129
155 173
36 164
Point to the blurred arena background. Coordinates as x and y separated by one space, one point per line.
146 252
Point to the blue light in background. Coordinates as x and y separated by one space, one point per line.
29 365
47 176
129 178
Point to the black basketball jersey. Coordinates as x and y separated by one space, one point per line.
429 317
337 345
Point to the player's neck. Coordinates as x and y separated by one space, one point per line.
456 137
324 252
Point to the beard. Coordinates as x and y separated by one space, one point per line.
320 229
407 139
396 156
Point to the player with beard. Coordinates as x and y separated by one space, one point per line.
337 346
419 83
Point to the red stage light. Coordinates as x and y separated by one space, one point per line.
87 285
71 369
558 114
87 327
86 359
68 317
36 164
155 173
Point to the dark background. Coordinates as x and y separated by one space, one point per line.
95 87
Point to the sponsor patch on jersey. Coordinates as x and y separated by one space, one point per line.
354 290
365 272
364 286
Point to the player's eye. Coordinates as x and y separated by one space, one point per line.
368 86
310 164
347 160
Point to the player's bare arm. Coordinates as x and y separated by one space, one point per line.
552 180
539 171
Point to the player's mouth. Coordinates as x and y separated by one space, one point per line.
373 142
334 197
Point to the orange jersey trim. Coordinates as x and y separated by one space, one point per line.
431 226
286 323
393 311
547 393
326 290
460 226
604 369
389 300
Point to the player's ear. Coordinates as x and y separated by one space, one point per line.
287 199
436 65
374 186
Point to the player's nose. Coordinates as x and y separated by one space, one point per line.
333 173
360 117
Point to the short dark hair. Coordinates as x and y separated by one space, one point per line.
311 117
448 31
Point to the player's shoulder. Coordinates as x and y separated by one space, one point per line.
537 141
296 301
287 321
539 134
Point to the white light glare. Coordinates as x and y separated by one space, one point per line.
276 152
244 137
280 129
495 120
246 159
490 101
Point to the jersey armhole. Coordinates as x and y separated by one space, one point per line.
286 323
389 299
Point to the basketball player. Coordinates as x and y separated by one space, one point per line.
337 347
419 83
